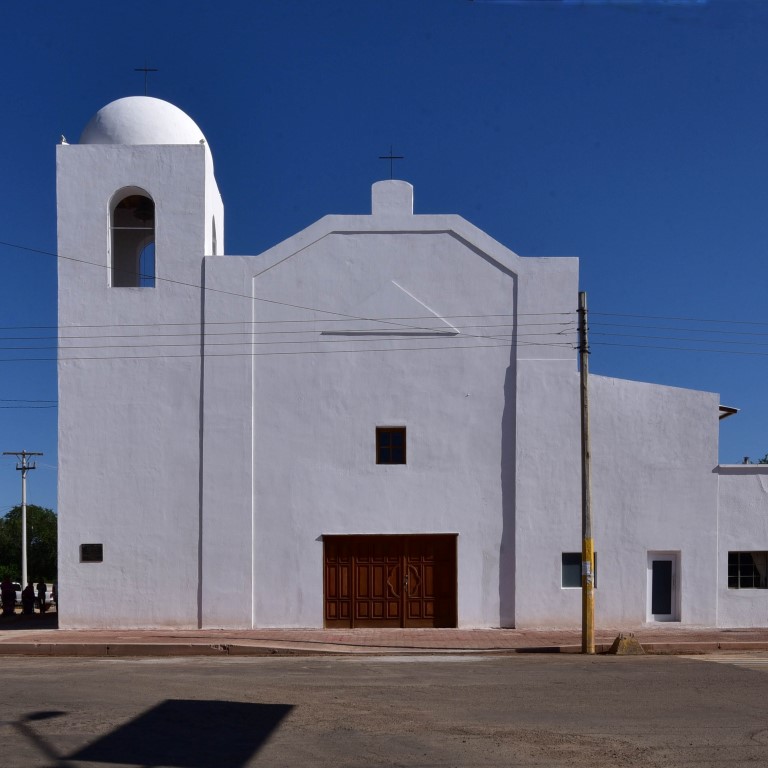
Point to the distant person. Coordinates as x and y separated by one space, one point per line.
8 596
41 591
28 599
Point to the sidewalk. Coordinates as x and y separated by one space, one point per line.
39 636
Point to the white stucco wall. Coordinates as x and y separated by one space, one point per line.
653 490
743 528
226 552
548 498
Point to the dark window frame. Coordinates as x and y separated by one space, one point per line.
743 572
574 559
391 445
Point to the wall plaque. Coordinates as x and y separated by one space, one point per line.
91 553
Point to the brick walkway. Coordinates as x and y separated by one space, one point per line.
38 635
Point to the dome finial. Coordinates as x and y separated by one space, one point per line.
146 70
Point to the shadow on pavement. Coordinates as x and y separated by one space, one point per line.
47 620
24 727
189 734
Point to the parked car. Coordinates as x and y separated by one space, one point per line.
17 587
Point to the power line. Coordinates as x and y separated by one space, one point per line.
679 338
214 290
345 316
247 342
562 345
682 319
682 349
566 328
306 321
28 407
396 322
208 344
593 323
678 328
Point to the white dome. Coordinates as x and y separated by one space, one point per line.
141 120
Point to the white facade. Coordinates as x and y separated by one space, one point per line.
228 435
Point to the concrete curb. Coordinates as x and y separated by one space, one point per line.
223 650
683 647
133 650
136 650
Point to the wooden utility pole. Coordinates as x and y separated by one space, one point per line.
587 545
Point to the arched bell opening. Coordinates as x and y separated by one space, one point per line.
132 229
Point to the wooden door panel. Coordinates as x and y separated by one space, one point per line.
338 583
422 609
429 580
372 598
390 581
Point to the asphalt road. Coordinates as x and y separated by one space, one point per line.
524 710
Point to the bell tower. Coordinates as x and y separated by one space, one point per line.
138 209
137 198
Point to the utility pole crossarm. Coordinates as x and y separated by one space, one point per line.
22 457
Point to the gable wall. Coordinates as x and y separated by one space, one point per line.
317 404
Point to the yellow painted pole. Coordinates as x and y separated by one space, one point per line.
587 596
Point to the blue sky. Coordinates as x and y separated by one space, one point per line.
633 135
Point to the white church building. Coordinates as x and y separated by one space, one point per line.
373 423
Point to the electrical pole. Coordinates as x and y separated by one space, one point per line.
587 544
23 466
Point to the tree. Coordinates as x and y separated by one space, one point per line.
41 544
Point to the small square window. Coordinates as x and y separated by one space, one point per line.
91 553
390 445
748 570
571 572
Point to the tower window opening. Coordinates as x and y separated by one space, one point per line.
133 242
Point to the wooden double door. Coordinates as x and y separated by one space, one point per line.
390 581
